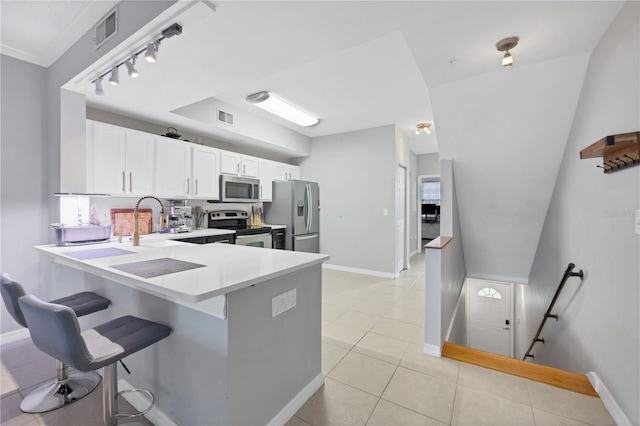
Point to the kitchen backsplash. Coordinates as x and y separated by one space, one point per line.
69 207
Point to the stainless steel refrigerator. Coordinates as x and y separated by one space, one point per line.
296 205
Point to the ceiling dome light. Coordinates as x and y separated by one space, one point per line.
115 78
129 63
99 90
151 54
423 126
505 45
277 106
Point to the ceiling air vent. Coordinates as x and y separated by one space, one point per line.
225 117
106 28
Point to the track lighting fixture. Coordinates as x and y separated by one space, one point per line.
423 126
114 79
277 106
99 90
129 63
506 45
150 53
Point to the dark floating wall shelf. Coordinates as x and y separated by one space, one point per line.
617 151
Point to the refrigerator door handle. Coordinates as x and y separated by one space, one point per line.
309 204
307 237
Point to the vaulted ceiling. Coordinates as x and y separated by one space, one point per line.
361 64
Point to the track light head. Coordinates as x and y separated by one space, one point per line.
115 76
152 51
99 91
129 63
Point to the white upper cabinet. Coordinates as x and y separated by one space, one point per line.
266 180
283 171
205 165
232 163
119 161
173 169
294 172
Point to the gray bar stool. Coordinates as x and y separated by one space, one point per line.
55 330
66 388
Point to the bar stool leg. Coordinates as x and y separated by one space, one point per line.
65 390
110 394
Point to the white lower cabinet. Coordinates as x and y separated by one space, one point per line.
120 161
205 169
173 169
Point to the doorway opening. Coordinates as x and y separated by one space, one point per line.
429 211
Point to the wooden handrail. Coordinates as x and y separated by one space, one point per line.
567 274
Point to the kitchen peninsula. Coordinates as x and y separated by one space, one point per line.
238 353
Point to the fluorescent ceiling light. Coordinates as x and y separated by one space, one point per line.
277 106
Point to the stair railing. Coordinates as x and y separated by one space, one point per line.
567 274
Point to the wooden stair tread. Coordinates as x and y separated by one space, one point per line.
527 370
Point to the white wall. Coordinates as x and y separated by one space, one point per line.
506 131
413 202
428 164
356 174
23 174
31 149
590 222
453 256
444 271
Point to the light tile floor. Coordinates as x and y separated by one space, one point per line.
375 371
376 374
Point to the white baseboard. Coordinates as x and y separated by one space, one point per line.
14 336
139 402
159 418
607 399
432 350
298 401
360 271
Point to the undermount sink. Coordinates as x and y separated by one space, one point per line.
160 243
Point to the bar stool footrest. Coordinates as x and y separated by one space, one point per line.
138 413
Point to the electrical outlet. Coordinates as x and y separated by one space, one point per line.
283 302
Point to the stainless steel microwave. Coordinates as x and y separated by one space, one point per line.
235 189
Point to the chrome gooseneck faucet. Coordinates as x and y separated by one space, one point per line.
161 225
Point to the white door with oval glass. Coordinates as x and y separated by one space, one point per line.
490 317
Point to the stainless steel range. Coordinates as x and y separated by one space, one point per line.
238 220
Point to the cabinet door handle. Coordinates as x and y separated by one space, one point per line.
196 182
188 185
123 183
244 169
238 167
130 182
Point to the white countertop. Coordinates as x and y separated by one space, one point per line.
227 268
